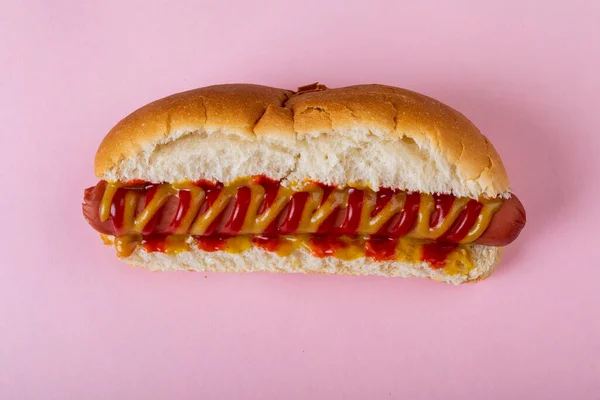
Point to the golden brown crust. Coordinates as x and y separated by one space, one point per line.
253 112
402 113
236 106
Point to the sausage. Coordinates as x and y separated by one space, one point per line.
505 226
91 211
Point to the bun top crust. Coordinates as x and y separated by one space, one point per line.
371 135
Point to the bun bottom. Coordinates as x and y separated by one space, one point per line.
255 259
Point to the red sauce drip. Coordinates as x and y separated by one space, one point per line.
291 220
117 210
381 249
405 220
272 228
327 189
211 243
353 210
267 243
463 223
204 184
264 180
137 182
327 225
323 246
185 199
240 208
212 228
155 244
443 204
437 253
384 195
212 193
149 227
271 189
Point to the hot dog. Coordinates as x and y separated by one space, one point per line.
504 227
366 179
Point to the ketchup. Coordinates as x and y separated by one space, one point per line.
240 208
185 198
327 189
403 222
272 228
290 222
443 204
212 193
271 189
205 184
381 249
463 223
268 243
384 195
137 182
152 223
264 180
117 209
437 253
211 243
353 210
155 244
327 225
322 246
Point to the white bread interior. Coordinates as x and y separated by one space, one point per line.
485 258
370 135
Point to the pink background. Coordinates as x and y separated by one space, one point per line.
76 323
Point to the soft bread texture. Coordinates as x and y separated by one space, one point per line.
485 259
370 135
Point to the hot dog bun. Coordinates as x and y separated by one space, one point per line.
374 135
368 135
